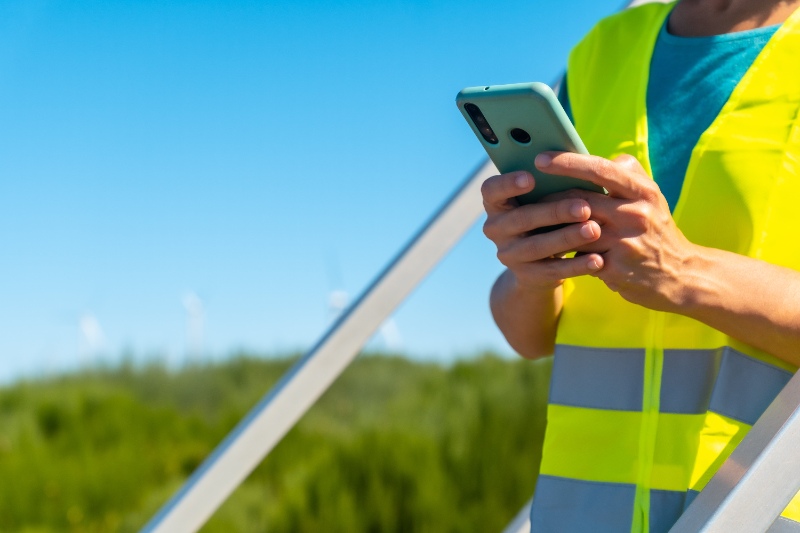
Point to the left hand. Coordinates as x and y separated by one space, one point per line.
644 253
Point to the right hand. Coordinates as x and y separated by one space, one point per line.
537 261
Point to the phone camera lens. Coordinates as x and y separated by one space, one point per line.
481 123
520 135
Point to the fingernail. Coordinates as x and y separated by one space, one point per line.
576 210
587 231
522 180
543 160
593 264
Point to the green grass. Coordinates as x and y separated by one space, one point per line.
394 446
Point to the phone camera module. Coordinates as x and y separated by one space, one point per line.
520 135
481 123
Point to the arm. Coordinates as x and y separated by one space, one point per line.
526 298
527 317
750 300
650 262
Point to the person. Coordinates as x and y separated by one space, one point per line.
677 320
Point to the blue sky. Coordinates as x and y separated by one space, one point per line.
248 158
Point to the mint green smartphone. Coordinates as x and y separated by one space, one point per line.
515 123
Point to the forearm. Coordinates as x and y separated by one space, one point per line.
526 317
753 301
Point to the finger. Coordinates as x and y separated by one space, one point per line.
560 269
600 246
618 178
571 193
629 162
497 191
534 216
602 208
546 245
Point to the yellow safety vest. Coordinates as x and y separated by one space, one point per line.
644 405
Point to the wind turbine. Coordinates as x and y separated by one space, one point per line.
92 337
195 324
338 300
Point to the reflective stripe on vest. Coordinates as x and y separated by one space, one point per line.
575 506
724 381
644 405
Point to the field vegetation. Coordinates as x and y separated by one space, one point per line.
394 446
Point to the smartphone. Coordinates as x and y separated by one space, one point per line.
515 123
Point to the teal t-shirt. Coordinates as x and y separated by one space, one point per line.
691 78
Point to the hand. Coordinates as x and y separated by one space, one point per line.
537 261
642 248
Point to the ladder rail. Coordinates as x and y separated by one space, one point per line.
761 476
283 406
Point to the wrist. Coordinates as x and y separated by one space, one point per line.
527 316
508 292
525 286
697 281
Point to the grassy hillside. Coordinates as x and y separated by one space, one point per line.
394 446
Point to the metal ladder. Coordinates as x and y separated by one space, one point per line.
278 411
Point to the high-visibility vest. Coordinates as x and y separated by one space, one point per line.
644 405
